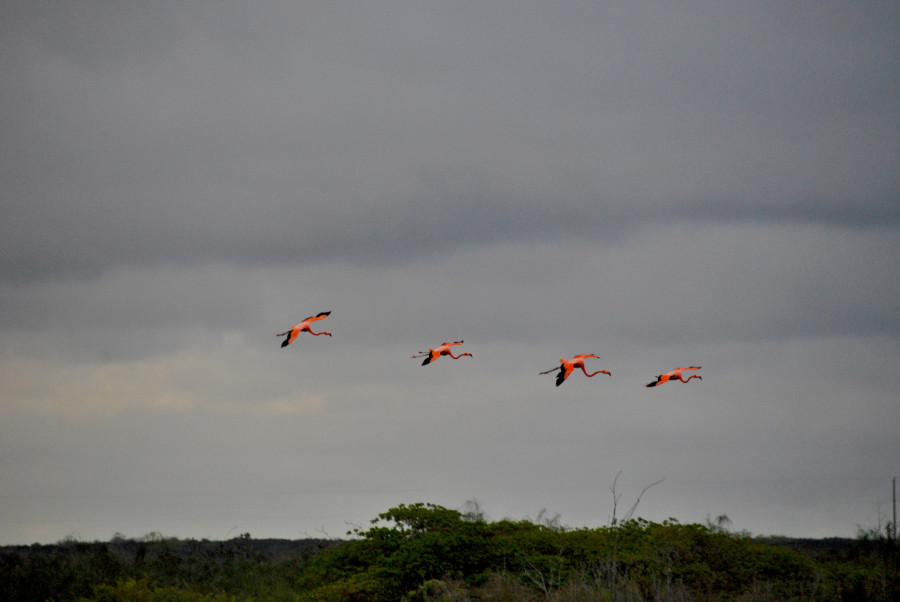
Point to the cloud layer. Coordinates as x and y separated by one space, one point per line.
660 185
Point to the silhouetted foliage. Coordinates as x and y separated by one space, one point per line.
155 568
428 552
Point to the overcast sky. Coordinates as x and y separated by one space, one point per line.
662 184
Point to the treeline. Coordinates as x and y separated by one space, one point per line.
428 552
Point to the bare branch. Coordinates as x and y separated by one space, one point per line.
616 497
638 500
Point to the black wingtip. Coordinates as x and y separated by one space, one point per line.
284 343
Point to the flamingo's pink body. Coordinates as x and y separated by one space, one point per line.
433 354
567 366
675 375
303 326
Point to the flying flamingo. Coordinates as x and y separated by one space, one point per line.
675 375
567 366
303 326
444 349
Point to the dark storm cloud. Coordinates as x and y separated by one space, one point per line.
170 134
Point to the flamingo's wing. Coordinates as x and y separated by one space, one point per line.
659 380
564 372
291 335
319 316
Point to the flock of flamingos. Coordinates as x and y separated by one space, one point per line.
565 368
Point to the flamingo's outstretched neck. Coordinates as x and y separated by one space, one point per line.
684 380
456 357
607 372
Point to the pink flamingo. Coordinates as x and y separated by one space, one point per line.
433 354
303 326
675 375
567 366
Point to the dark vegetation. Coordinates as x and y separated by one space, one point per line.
428 552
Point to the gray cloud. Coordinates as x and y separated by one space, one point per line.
293 133
658 185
